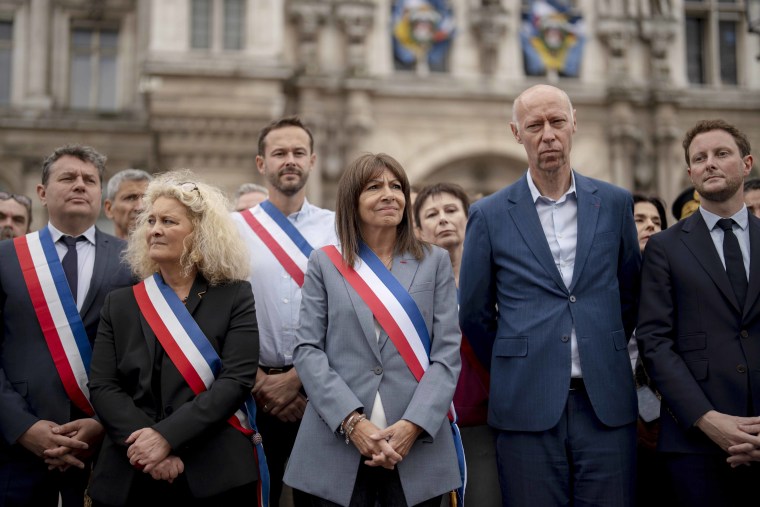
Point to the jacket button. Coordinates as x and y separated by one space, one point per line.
572 299
565 338
741 368
378 370
744 334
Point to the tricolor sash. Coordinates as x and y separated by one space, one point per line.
57 314
400 317
281 237
195 358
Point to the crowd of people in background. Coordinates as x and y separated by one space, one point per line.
554 343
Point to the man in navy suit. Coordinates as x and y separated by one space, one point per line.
699 327
46 440
548 293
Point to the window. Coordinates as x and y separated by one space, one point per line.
6 60
217 24
93 70
713 29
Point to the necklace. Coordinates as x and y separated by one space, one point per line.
388 261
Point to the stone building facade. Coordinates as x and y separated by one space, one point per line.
165 84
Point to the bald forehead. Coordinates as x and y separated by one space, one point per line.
538 95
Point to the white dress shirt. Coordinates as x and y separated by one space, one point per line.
741 231
85 259
278 297
559 219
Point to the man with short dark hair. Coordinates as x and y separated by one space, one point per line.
699 327
15 215
548 291
123 201
280 234
52 286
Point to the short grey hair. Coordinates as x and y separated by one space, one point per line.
247 188
82 152
126 175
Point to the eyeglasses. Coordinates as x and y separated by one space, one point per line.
21 199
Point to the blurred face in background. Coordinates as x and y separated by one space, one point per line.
14 216
647 220
443 221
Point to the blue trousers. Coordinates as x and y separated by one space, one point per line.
579 462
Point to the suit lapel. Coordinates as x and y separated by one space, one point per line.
364 314
754 266
589 205
103 254
697 239
522 209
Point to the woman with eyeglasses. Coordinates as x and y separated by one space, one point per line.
175 358
15 215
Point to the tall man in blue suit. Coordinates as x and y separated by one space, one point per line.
548 293
46 439
699 327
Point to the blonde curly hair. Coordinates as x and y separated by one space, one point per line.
214 247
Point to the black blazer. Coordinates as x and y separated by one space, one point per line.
134 384
699 347
30 388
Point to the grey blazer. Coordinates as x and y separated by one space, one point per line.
342 365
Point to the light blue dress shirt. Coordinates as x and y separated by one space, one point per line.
559 219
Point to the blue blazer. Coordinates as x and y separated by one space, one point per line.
30 388
518 313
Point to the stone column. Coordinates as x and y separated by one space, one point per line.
38 96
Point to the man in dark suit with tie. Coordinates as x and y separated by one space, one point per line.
48 439
548 291
699 327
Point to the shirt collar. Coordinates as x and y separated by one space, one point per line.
535 193
89 234
302 214
741 218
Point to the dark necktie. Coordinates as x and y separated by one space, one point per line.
732 254
69 263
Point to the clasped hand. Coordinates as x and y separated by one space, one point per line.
385 447
738 436
149 451
279 395
63 446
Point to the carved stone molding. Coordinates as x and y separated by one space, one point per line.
308 16
617 35
356 18
660 34
489 24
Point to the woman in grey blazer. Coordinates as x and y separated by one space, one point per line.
372 432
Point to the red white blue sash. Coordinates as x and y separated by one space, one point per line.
57 314
281 237
195 358
400 317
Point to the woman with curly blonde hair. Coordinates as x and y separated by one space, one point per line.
176 356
